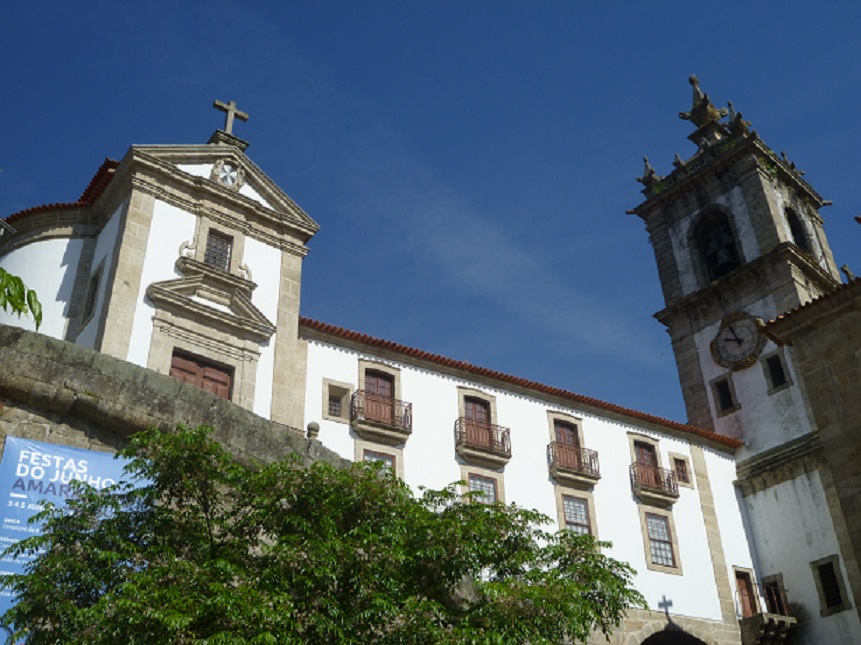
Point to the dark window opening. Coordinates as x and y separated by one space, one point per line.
723 394
92 294
799 232
830 585
218 248
717 247
776 373
775 600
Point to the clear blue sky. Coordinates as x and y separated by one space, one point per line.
470 163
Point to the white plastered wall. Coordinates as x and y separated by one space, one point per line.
791 528
106 242
170 227
768 419
265 264
48 267
429 460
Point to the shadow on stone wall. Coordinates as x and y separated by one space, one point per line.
54 391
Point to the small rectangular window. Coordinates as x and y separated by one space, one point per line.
681 468
485 487
92 296
576 511
335 405
372 456
775 597
218 248
336 401
660 540
724 395
776 372
830 585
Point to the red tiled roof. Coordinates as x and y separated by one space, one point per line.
94 190
412 352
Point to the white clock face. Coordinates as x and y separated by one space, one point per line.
228 175
738 342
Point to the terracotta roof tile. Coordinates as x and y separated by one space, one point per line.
829 295
340 332
93 191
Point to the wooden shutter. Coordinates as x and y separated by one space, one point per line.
202 373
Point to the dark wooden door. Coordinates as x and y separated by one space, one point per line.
478 429
379 397
746 598
647 465
201 373
567 445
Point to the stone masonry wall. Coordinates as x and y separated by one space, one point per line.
57 392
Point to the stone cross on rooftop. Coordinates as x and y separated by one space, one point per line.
231 113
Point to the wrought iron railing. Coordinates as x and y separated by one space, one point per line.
568 457
654 478
483 436
770 599
384 410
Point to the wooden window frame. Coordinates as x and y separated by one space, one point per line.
486 478
204 362
587 502
646 511
342 391
754 596
684 459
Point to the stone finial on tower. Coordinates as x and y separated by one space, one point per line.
702 110
650 177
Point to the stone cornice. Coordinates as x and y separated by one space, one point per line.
778 465
768 164
714 301
338 337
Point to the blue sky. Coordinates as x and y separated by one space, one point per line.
470 163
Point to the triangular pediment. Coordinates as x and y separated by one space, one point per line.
225 169
215 298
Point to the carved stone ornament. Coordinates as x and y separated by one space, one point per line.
650 177
228 173
702 111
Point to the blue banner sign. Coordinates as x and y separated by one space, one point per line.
33 472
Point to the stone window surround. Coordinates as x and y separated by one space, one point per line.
562 492
171 333
201 233
576 422
727 377
781 355
468 469
366 364
755 590
467 392
674 540
643 438
673 457
343 391
397 454
776 580
834 560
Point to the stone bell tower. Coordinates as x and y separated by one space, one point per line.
738 239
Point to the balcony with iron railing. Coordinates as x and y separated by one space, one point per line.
482 443
571 464
381 418
654 485
763 615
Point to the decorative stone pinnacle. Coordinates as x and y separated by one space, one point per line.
702 110
650 177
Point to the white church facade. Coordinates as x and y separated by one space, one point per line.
187 260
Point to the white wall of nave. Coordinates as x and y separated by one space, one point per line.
429 459
49 267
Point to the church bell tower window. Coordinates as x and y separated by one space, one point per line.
716 244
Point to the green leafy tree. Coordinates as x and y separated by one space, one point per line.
16 298
212 551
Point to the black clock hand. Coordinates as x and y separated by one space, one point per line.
734 335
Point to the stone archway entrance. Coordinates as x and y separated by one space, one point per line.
673 638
